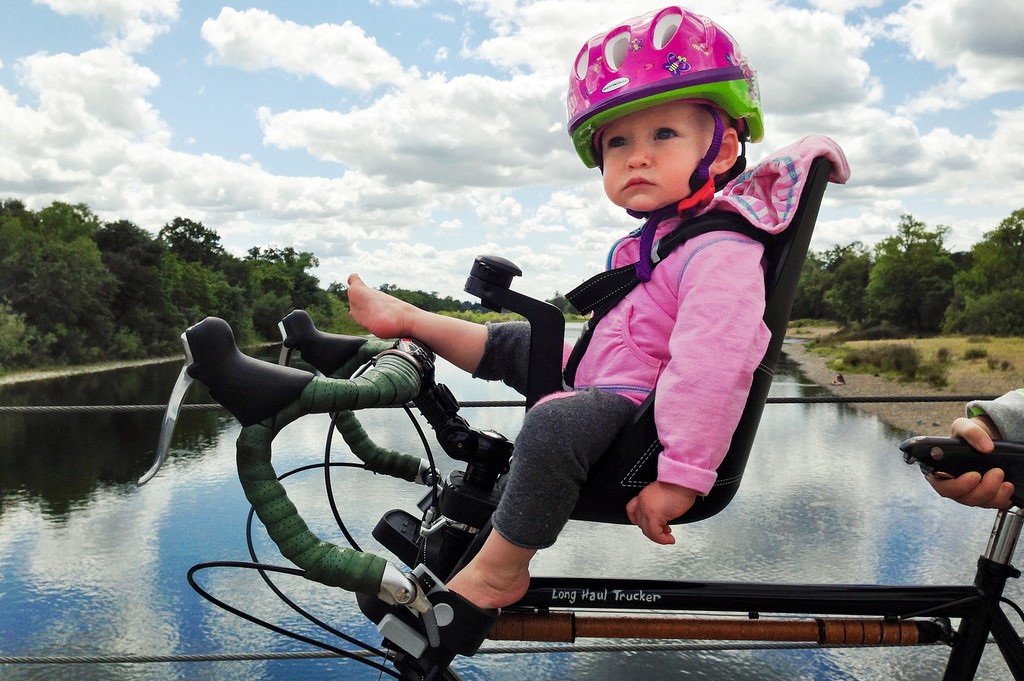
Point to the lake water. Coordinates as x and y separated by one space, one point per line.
91 565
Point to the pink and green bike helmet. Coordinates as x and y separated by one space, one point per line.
664 56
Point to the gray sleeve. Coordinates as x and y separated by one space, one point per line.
506 355
1006 412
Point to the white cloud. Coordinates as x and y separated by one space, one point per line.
478 160
845 6
980 42
469 130
815 62
131 25
341 55
103 87
408 4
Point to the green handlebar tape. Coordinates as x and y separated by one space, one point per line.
392 381
370 349
377 458
323 561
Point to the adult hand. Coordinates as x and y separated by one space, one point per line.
973 489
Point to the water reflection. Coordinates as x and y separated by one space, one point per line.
92 565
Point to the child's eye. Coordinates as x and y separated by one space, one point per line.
614 142
664 133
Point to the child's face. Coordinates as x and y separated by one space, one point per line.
650 155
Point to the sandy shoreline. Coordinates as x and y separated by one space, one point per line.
917 418
62 372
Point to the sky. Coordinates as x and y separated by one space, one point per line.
402 138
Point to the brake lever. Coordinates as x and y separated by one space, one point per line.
174 402
951 457
285 358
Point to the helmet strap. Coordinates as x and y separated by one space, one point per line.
737 168
703 171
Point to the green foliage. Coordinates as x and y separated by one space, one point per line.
332 315
911 282
988 296
898 360
832 285
16 338
192 242
51 274
74 289
139 308
482 317
563 304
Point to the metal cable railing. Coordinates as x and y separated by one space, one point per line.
819 399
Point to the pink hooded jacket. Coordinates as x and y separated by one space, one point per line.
695 330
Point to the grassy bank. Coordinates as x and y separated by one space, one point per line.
957 364
940 366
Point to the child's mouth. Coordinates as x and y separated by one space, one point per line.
634 181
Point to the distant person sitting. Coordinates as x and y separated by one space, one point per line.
839 380
1002 418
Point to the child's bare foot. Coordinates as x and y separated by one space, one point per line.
379 313
498 575
489 590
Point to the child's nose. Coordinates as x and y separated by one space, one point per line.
639 156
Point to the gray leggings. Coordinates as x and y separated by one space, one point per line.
559 442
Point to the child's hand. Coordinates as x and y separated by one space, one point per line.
379 313
655 506
973 489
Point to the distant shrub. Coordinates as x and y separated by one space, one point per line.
481 317
1000 364
934 375
975 353
943 355
902 360
880 332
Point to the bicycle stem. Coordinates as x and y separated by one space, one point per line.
1005 533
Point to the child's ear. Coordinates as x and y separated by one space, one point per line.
728 152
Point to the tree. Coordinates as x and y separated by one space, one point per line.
139 308
832 285
562 303
809 302
52 275
848 269
987 294
283 283
17 339
195 292
192 242
287 272
910 284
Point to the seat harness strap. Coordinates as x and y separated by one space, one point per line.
604 291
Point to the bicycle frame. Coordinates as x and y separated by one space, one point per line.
426 626
976 606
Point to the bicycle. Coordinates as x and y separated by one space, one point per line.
443 626
425 627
